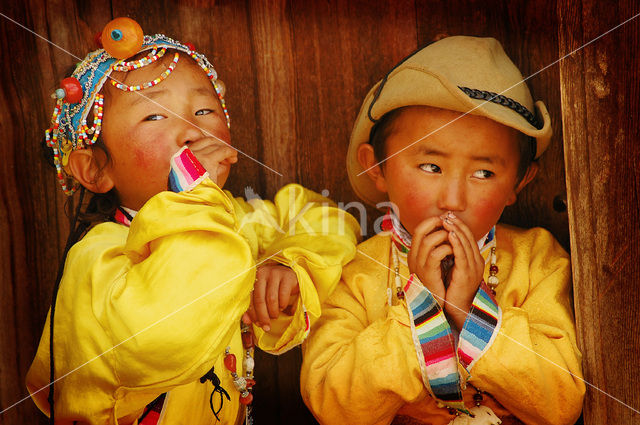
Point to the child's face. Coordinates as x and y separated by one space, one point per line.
468 167
143 133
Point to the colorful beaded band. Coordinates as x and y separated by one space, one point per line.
63 147
148 84
150 58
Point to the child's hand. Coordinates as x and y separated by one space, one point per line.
430 245
466 274
216 157
275 289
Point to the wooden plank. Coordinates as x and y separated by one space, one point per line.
341 50
270 32
600 88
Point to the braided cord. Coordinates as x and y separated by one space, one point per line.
504 101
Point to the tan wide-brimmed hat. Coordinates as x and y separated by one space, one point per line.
466 74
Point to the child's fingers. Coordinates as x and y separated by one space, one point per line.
246 318
288 287
424 228
467 242
260 303
425 255
211 153
438 254
273 294
463 231
222 154
251 312
460 252
463 236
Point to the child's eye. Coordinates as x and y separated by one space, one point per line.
204 112
430 168
483 174
154 117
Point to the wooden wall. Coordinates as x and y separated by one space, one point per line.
600 89
295 74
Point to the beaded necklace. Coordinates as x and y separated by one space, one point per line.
243 384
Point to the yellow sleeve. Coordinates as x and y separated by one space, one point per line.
359 364
533 367
309 234
173 297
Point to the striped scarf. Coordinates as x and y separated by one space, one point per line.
432 335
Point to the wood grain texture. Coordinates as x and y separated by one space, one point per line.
34 224
600 87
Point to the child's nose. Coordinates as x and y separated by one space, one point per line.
189 132
452 196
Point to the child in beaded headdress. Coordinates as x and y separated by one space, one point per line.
146 320
413 334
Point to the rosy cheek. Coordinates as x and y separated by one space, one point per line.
139 158
486 212
484 208
415 207
150 156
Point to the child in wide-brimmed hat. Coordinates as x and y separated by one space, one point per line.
446 316
145 326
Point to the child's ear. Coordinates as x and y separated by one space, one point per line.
528 176
86 168
367 160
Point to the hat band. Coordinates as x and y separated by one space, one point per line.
504 101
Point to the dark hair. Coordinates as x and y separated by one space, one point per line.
383 128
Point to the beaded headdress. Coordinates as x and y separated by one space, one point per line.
80 94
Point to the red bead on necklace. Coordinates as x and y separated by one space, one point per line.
243 384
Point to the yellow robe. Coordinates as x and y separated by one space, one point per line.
151 308
360 365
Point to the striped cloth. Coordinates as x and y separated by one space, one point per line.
433 337
400 236
186 171
124 215
480 327
436 350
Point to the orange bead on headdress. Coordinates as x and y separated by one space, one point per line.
79 94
